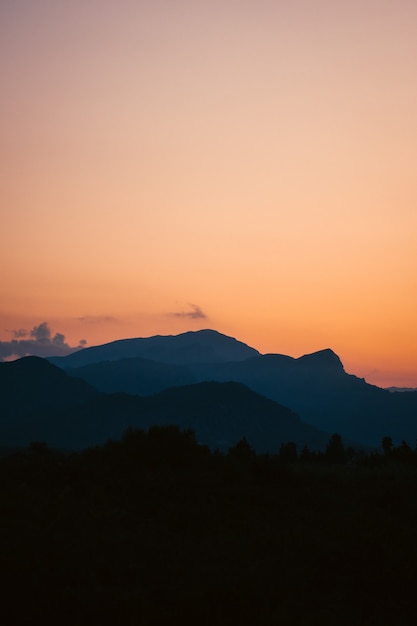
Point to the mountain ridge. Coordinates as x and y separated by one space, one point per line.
190 347
77 415
315 386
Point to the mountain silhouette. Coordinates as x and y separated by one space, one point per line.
136 376
32 383
203 346
32 393
315 386
318 389
223 413
41 402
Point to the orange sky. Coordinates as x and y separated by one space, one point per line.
255 159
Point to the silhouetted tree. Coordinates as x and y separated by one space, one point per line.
288 452
242 451
306 455
335 450
403 452
387 445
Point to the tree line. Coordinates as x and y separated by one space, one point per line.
336 452
155 529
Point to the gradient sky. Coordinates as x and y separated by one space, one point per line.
248 166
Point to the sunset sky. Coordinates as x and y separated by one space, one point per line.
248 166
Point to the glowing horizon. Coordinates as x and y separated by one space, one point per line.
257 161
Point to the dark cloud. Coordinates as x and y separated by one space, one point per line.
19 333
41 332
59 339
38 342
195 314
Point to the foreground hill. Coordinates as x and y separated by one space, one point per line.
315 386
32 383
41 402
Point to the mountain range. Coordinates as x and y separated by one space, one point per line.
204 380
315 386
39 401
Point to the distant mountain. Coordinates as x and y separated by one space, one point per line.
222 413
315 386
219 413
135 376
401 389
32 382
318 389
40 402
203 346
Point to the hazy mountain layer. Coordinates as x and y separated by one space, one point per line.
315 386
318 389
41 402
203 346
135 376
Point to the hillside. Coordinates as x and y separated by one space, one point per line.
315 386
41 402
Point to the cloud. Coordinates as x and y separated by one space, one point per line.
19 333
196 313
97 319
59 339
37 342
41 332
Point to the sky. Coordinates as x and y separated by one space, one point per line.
248 166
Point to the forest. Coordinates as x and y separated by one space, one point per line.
158 529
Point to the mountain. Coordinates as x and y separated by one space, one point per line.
32 392
219 413
222 413
40 402
32 382
315 386
202 346
135 376
318 389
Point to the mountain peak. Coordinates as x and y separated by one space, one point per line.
33 367
201 346
323 358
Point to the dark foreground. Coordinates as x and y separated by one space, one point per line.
158 530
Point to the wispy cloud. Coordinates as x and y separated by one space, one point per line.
196 313
97 319
19 333
37 342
